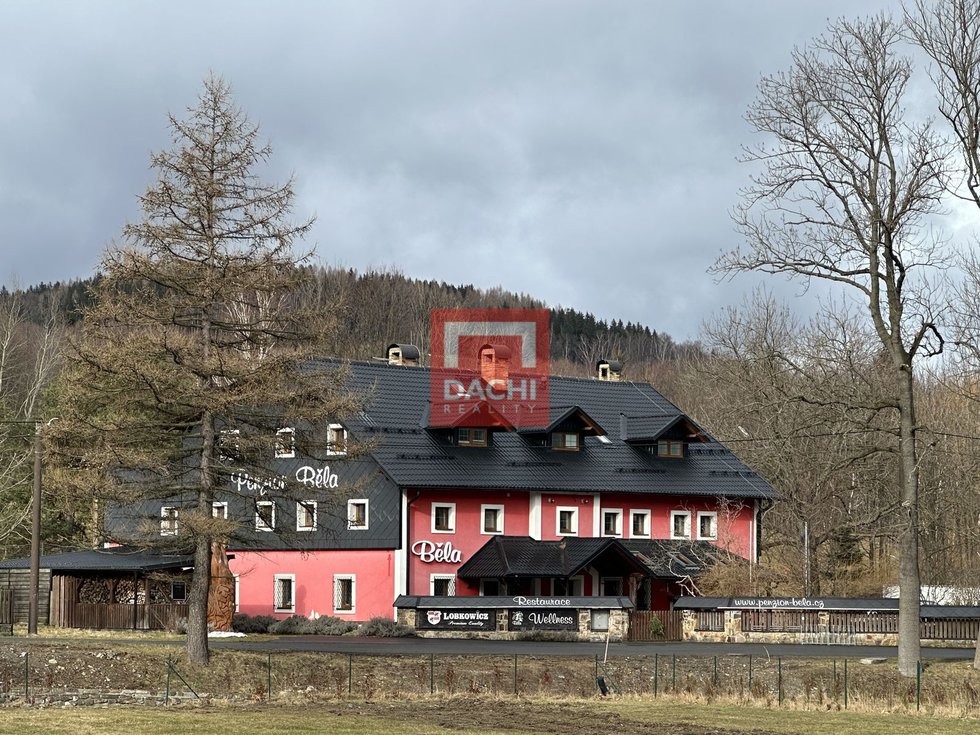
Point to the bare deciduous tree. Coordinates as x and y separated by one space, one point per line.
845 185
949 32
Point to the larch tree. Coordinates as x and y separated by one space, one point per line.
843 189
949 33
196 328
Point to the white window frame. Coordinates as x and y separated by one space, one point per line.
687 515
574 512
219 509
311 504
451 578
284 449
713 515
452 517
337 579
183 584
169 523
483 519
260 525
237 588
646 523
618 512
225 442
352 503
292 596
336 435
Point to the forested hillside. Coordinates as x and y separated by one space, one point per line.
380 307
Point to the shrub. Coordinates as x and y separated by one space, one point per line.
656 626
557 636
383 627
293 625
328 625
242 623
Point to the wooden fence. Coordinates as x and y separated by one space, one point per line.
6 610
123 616
656 625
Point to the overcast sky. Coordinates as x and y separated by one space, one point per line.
583 152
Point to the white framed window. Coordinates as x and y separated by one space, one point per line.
566 521
336 440
168 521
680 524
612 522
443 517
344 598
491 519
708 526
357 514
284 599
639 524
219 509
265 515
565 441
471 437
306 515
286 443
229 448
237 597
442 585
178 591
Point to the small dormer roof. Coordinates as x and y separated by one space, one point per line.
649 429
570 418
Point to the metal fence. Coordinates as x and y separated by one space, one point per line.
41 676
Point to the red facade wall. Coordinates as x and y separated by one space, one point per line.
434 552
374 588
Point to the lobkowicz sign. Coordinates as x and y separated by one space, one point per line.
430 551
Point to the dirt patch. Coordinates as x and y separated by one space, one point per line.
525 716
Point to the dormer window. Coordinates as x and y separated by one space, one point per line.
670 448
565 441
471 437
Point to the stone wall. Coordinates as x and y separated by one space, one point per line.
618 627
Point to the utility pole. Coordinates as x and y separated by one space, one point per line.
35 534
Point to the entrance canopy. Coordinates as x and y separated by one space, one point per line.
522 556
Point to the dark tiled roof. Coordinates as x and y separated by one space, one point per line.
470 601
398 412
674 558
522 556
115 559
856 604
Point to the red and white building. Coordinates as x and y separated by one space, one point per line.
620 494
